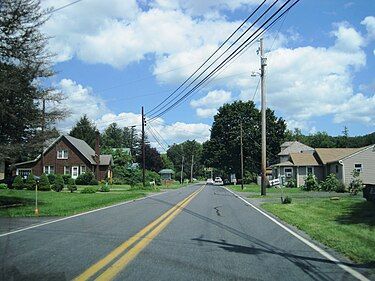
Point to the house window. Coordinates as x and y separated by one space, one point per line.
83 169
75 172
62 154
49 170
24 173
309 170
66 170
337 169
358 167
288 172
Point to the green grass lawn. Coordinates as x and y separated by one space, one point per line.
60 203
346 225
174 185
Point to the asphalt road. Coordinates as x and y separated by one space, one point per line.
210 235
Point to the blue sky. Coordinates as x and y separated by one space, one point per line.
115 56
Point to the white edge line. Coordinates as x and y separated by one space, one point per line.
348 269
85 213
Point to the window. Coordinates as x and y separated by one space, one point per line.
66 170
288 172
23 172
49 170
62 154
358 167
83 169
75 172
309 170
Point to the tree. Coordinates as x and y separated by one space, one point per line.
113 137
44 184
24 62
59 183
222 151
153 160
30 182
85 130
167 163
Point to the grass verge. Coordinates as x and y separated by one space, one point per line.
346 225
59 203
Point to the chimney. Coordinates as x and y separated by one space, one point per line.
97 153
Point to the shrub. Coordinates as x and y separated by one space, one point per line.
292 183
89 189
249 177
66 178
3 186
71 185
30 182
59 183
286 200
18 183
356 183
341 187
44 184
51 178
310 183
86 179
330 183
104 188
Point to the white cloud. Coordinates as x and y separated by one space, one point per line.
207 106
206 112
76 96
369 22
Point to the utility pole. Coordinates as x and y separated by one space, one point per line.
191 168
43 125
263 63
143 149
182 168
241 158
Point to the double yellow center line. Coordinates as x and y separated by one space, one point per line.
152 230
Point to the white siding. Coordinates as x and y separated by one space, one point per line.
367 159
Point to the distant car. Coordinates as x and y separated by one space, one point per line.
218 181
210 181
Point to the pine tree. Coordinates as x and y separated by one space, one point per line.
30 182
59 183
85 130
44 183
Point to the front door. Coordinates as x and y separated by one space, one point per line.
75 172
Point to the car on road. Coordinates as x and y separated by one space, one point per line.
218 181
210 181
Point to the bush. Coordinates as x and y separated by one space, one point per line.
51 178
104 188
331 183
292 183
59 183
89 189
71 185
18 183
356 183
249 177
3 186
86 179
66 178
30 182
44 184
286 200
310 183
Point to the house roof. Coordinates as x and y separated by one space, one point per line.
303 159
294 147
283 164
328 155
81 146
166 171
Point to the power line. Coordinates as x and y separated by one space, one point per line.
222 44
63 7
235 53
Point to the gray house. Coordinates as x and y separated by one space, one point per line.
298 160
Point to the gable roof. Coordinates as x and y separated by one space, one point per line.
303 159
166 171
328 155
294 147
81 146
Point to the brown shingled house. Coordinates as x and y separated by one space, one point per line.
69 156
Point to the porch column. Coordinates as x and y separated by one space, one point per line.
297 174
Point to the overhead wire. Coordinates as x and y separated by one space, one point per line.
236 52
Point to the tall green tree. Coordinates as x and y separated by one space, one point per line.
85 130
113 136
153 159
24 64
222 151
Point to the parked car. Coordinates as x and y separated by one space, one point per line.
218 181
210 181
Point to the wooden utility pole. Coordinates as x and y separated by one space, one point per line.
191 168
241 157
263 63
43 126
143 149
182 168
